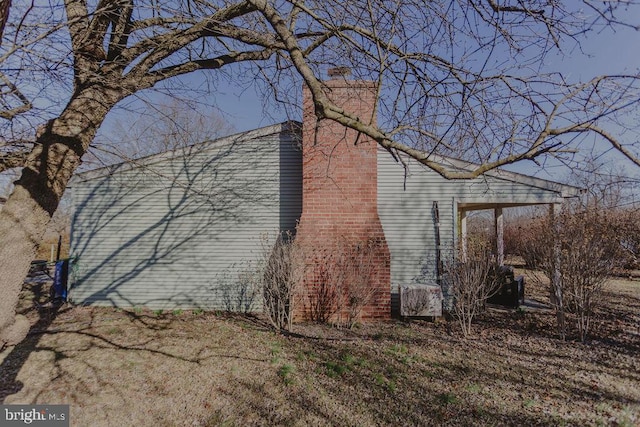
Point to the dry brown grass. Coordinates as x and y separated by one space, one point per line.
141 368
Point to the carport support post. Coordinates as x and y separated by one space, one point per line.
463 235
498 223
556 279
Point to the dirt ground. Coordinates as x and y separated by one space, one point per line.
121 368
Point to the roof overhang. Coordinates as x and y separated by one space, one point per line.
563 190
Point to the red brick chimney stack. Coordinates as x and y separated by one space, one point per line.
339 203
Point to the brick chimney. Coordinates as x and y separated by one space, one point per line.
339 204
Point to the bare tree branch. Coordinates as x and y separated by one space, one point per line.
13 159
459 78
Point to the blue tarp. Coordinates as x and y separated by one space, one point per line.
60 280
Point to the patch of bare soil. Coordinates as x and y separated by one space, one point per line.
142 368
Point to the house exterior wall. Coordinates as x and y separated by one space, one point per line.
180 232
405 207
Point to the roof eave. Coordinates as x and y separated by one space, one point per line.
564 190
288 126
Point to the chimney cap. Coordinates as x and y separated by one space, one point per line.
339 72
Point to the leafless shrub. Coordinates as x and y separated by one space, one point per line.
470 283
590 253
359 268
577 253
520 231
340 281
530 248
322 287
282 269
239 296
627 223
480 228
541 250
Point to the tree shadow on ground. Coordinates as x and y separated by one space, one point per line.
36 305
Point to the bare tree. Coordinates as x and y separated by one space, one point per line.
166 127
453 77
606 185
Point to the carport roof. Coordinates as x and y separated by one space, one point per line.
564 190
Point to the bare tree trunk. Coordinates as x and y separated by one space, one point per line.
5 5
23 220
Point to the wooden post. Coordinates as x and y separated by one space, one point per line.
556 297
499 233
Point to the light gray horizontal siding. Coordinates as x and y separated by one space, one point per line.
180 233
405 201
405 207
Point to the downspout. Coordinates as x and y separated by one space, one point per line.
436 220
59 247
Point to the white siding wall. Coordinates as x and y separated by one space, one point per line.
181 232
